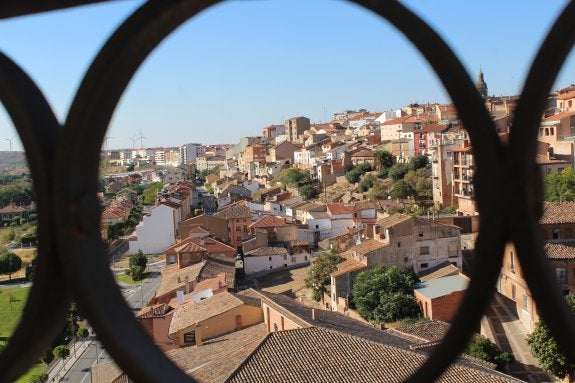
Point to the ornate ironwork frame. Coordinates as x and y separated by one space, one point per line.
72 261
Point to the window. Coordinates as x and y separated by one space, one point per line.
424 265
570 103
275 327
424 250
512 265
552 130
270 258
305 258
561 275
525 302
556 234
317 226
405 259
546 131
398 244
293 259
285 257
513 292
420 233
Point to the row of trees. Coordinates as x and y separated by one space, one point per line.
19 192
560 186
307 186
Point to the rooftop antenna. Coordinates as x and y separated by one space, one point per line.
10 141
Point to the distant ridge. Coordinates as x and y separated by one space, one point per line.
12 159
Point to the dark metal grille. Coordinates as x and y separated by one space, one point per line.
71 260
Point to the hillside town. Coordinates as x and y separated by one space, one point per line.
332 208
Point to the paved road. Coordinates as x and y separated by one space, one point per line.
93 352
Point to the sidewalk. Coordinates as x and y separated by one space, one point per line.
56 371
511 336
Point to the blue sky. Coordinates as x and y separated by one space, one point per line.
243 65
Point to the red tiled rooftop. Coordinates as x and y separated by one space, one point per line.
270 221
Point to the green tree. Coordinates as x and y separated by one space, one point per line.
151 193
10 263
138 264
366 183
383 158
318 275
545 348
560 187
82 332
40 377
378 191
385 294
420 183
61 352
308 192
483 348
401 190
398 171
418 162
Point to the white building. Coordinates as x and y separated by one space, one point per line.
156 232
264 259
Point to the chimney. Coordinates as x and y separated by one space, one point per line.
180 297
198 334
313 314
187 285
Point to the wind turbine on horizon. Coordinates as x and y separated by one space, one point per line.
10 141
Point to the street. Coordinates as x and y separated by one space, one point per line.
91 351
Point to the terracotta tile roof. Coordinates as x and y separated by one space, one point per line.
559 116
348 266
191 313
172 249
558 212
213 284
319 214
432 128
171 274
363 205
107 373
215 265
219 357
310 206
190 247
560 249
270 221
395 121
428 331
198 229
444 269
212 245
393 220
156 311
237 210
368 246
331 320
321 355
11 208
363 153
338 208
266 251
